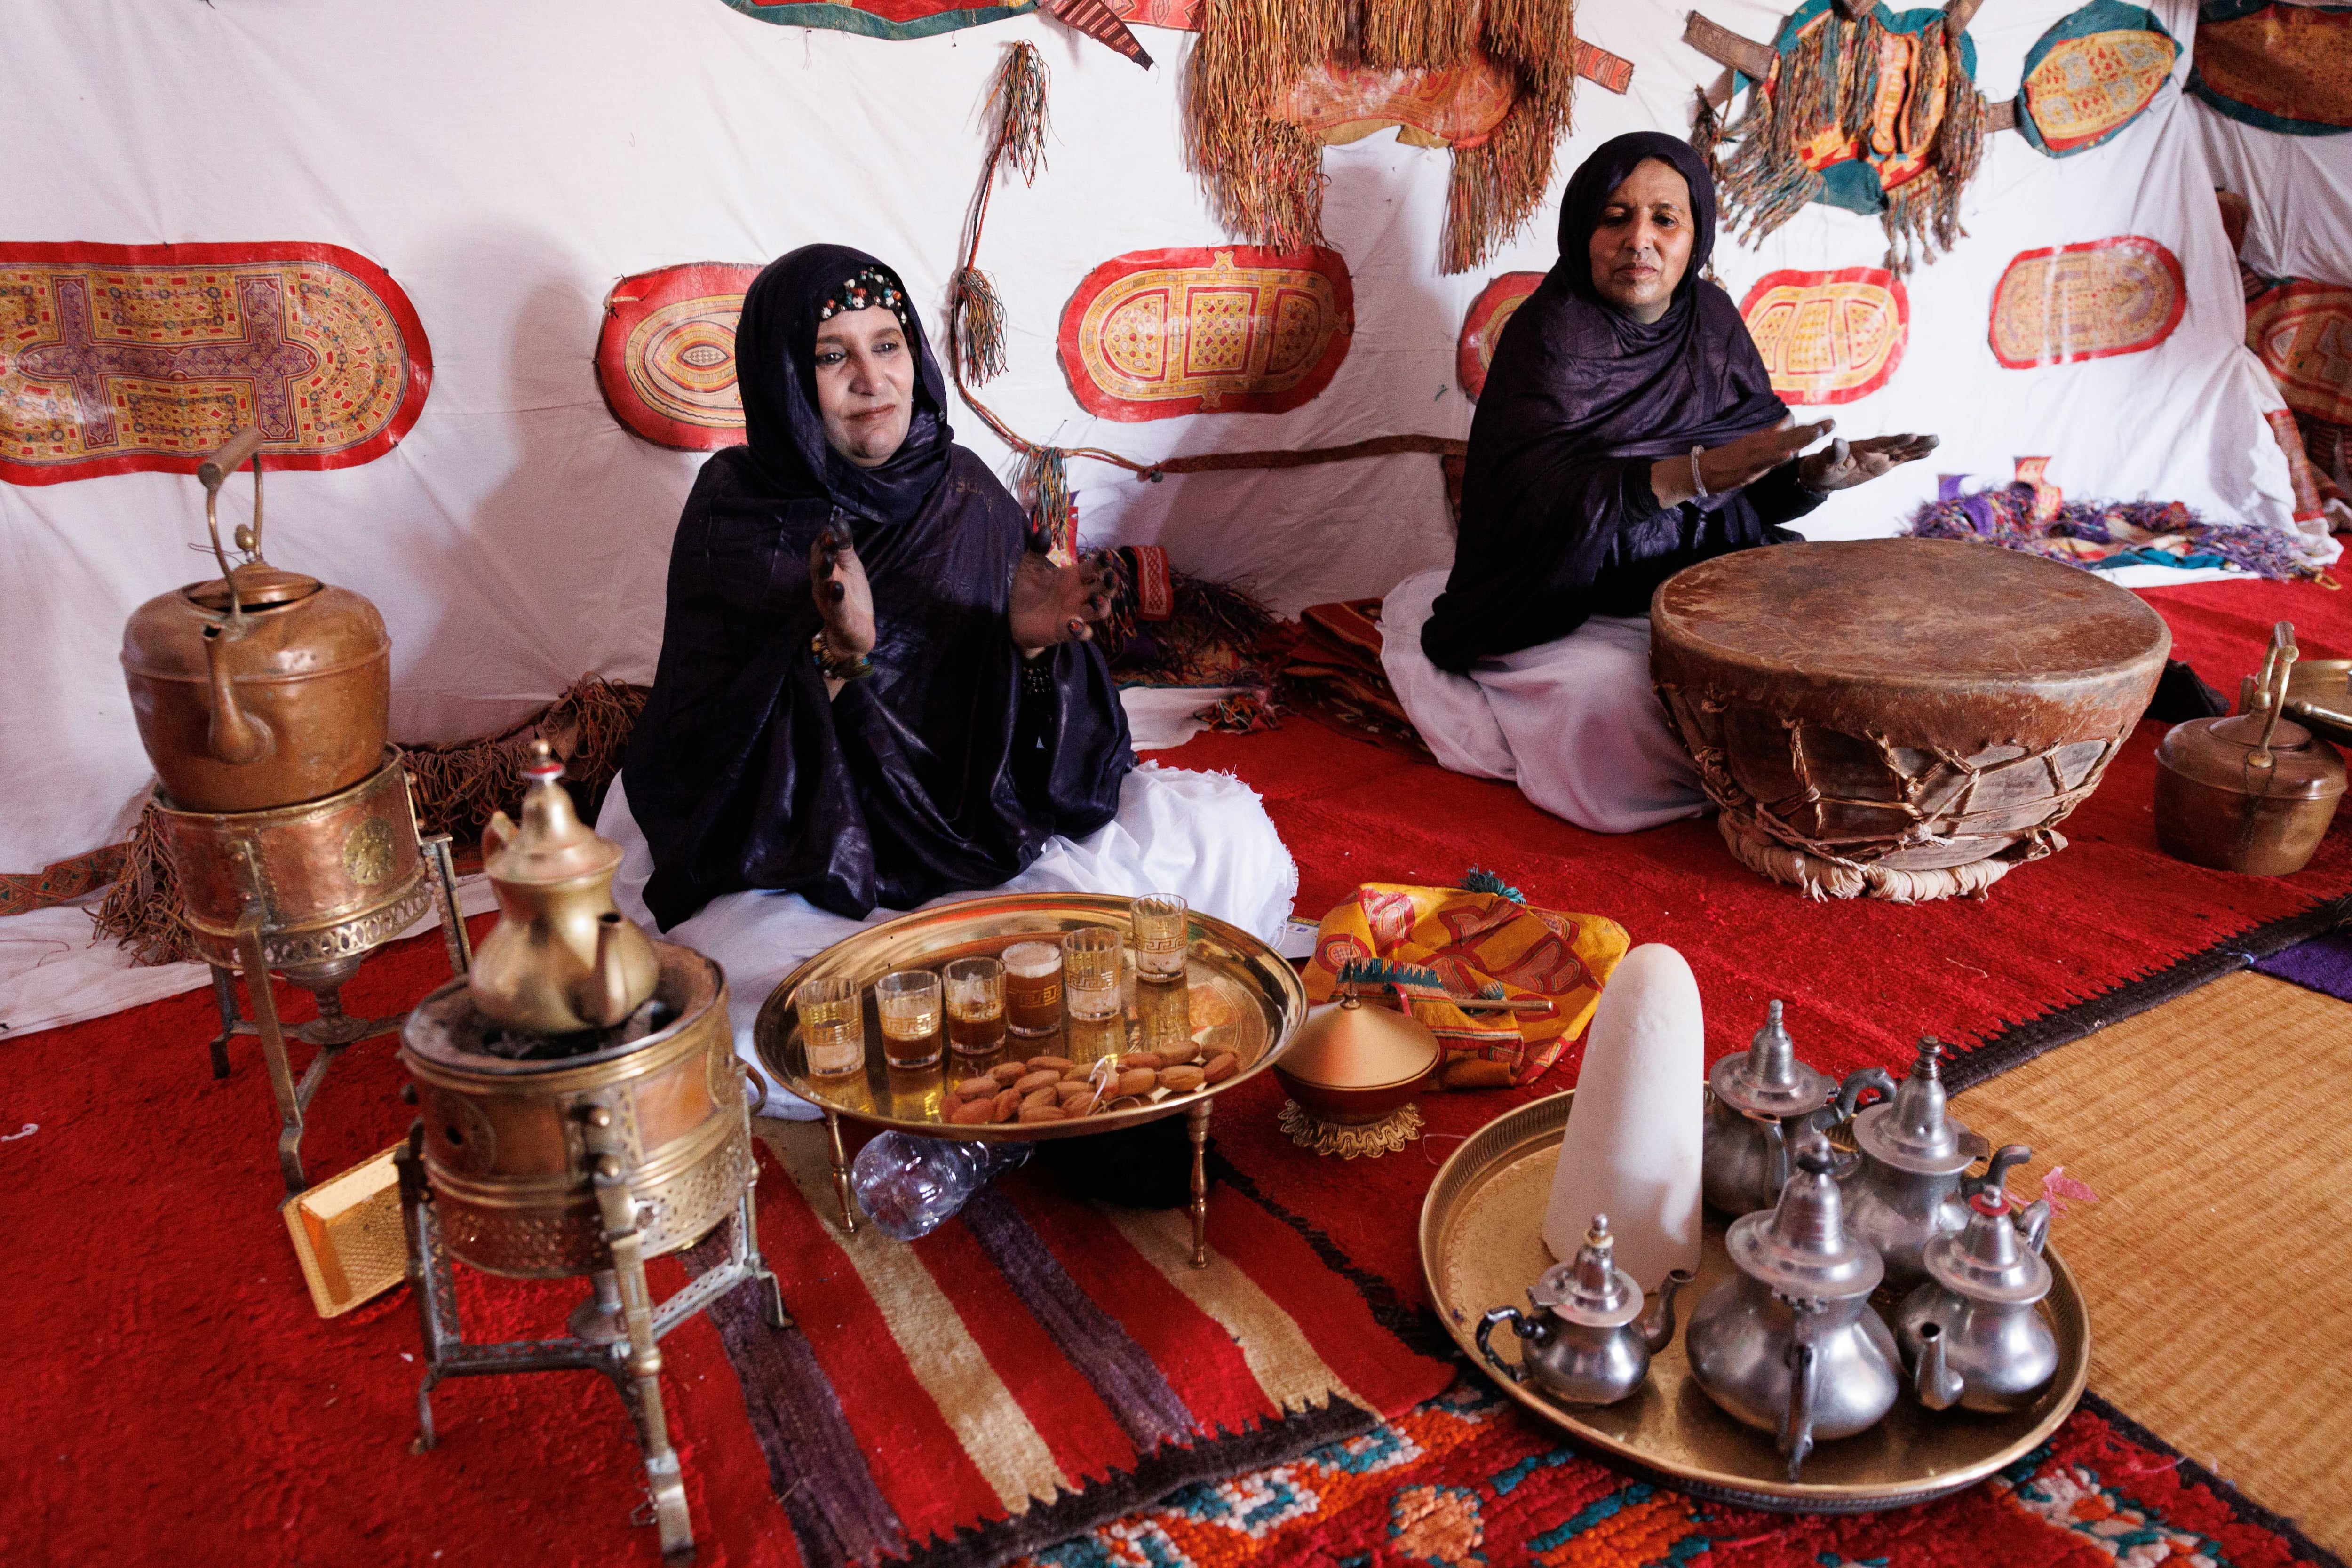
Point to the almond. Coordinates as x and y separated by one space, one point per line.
1002 1108
1009 1073
1182 1081
1138 1081
1078 1093
1037 1096
1180 1050
1042 1113
976 1088
972 1113
1151 1059
1043 1078
1473 1072
1222 1065
1051 1064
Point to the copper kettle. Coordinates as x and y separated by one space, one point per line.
562 957
2254 792
260 688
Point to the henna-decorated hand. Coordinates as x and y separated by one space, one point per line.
844 598
1841 464
1054 603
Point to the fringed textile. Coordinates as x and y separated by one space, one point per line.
1052 518
1928 130
1018 102
976 326
1265 176
2083 533
1215 633
456 788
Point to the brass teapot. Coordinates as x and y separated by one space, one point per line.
1588 1341
1760 1102
260 688
2253 794
561 958
1970 1333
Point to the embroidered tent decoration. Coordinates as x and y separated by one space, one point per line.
666 356
901 19
2285 68
2123 295
1256 135
115 359
1482 329
2302 331
1829 337
1157 333
2091 75
1876 113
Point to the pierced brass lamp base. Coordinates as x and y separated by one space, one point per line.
1369 1140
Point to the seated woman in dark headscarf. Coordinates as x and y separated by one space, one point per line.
875 688
1627 429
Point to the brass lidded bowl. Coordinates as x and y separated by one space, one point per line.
2253 794
1354 1062
1482 1243
1238 995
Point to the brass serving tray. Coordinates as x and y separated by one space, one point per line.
1239 995
1482 1245
2318 695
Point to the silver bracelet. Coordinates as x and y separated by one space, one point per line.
1697 483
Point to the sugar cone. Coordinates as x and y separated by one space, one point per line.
1632 1145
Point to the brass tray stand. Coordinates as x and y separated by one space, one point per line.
617 1330
334 1031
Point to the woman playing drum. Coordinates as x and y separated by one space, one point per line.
1628 429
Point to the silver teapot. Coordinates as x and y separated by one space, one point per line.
1908 1187
1583 1344
1970 1334
1792 1346
1760 1103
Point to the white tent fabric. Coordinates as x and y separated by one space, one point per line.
2299 189
508 163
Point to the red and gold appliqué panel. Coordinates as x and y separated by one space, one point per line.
1829 337
2123 295
2286 67
121 358
1456 106
2089 86
1234 329
2302 331
666 357
1482 329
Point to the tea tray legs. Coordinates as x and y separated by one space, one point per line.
841 1174
1196 1123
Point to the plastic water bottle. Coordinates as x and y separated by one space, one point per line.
911 1186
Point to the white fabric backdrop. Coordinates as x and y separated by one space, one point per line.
506 164
2300 190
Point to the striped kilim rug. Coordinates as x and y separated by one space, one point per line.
1037 1365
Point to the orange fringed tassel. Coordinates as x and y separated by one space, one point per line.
1499 184
1265 178
142 911
1429 35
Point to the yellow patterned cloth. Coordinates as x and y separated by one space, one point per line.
1448 941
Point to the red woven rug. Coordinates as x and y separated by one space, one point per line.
1467 1481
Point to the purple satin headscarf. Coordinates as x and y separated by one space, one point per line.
1559 523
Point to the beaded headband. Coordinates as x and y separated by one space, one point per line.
869 287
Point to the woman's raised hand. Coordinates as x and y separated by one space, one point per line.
1054 603
1843 465
844 598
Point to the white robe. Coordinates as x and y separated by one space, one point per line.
1204 835
1574 723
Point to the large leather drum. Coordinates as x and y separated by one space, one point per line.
1901 718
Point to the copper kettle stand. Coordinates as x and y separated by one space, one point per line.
308 892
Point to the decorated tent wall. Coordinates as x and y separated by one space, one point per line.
495 172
